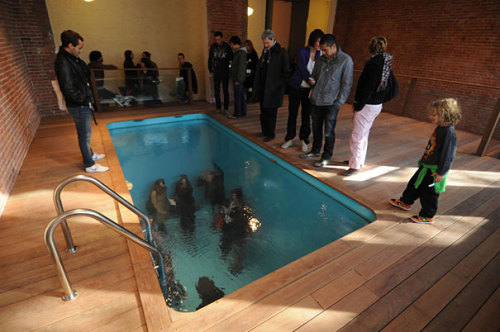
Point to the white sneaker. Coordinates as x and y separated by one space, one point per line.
96 168
304 146
287 144
96 156
118 101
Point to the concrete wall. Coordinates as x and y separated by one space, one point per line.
282 14
319 13
257 22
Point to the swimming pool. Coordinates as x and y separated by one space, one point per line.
298 214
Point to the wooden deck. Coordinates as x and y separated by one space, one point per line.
392 274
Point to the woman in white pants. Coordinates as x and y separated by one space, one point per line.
368 101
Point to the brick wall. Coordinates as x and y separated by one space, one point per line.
228 16
456 41
26 55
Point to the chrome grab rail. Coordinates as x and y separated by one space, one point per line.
71 294
60 210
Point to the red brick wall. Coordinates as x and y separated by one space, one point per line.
26 55
449 40
228 16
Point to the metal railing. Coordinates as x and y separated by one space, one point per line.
60 210
71 294
140 76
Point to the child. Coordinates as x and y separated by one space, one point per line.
430 179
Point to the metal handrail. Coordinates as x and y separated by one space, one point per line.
71 294
60 210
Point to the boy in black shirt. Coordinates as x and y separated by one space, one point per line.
430 179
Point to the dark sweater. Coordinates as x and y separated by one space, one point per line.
366 91
441 149
219 58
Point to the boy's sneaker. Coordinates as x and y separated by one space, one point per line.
400 204
287 144
96 168
303 146
422 220
96 156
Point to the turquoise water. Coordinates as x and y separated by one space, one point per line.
298 214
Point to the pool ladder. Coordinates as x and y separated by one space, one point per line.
71 294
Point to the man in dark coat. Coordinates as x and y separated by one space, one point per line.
73 76
272 72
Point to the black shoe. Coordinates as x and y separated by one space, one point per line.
309 155
322 163
349 172
233 117
268 138
259 135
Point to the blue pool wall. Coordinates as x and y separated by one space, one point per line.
347 202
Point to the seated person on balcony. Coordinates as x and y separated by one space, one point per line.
98 68
150 79
182 81
132 84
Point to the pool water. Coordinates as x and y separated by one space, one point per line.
298 214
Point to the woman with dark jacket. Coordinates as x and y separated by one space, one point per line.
252 59
150 79
299 92
368 101
270 79
131 76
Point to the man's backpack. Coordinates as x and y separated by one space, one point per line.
392 88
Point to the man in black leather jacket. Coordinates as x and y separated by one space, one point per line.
73 76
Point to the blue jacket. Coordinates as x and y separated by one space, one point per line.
300 72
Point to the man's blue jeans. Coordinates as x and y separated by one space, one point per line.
82 115
326 115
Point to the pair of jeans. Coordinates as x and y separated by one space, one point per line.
224 79
240 104
427 195
363 121
82 115
268 120
327 116
295 98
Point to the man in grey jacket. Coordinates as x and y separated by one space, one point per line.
331 80
238 75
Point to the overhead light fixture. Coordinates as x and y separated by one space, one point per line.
250 11
88 0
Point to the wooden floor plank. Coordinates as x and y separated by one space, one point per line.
487 319
341 312
436 298
396 300
292 317
106 317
